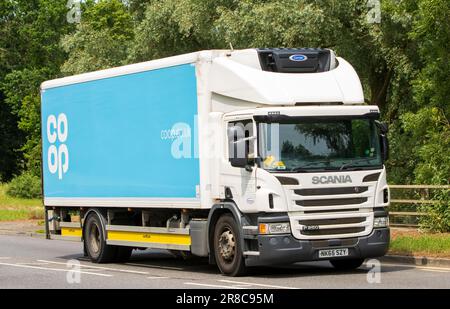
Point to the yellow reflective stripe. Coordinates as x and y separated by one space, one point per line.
71 231
173 239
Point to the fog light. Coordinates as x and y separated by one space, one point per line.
381 222
275 228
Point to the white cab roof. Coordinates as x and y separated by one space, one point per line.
233 79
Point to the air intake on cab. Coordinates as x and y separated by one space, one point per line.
296 60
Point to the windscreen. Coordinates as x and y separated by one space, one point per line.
319 144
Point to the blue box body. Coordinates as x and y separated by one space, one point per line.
115 142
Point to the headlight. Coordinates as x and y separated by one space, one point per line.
275 228
381 222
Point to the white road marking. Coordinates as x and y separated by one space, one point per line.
259 284
156 277
416 266
154 266
55 269
101 268
213 285
436 270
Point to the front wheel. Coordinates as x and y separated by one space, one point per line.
227 247
347 264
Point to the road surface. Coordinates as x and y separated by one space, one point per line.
31 262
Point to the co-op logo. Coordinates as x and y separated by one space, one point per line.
58 153
183 138
298 58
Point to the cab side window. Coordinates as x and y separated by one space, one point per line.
239 144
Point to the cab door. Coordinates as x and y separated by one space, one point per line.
238 170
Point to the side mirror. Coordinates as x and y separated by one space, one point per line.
384 129
242 158
246 163
238 162
382 126
384 147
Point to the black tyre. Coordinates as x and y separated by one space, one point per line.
95 241
347 264
123 254
227 247
183 255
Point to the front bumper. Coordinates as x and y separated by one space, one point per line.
285 249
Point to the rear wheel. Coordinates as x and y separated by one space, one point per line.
95 241
347 264
227 247
184 255
123 254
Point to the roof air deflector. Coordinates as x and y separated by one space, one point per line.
296 60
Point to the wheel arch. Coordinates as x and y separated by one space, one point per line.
101 214
215 213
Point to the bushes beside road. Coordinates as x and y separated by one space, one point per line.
26 186
13 208
414 243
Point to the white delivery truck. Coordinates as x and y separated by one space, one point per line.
248 157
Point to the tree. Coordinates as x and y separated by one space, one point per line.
30 54
178 26
10 138
421 133
101 39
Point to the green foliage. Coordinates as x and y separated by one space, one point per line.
12 208
10 138
275 24
30 53
21 88
26 185
437 217
430 131
432 32
425 244
177 26
101 39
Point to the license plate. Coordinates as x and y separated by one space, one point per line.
333 253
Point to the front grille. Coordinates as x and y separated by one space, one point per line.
332 214
332 202
332 221
350 230
330 211
331 191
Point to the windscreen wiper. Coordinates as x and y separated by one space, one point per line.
303 167
350 164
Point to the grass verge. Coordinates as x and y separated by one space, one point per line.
414 243
13 209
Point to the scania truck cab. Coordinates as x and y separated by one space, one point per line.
248 157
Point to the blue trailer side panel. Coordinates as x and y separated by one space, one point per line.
116 137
